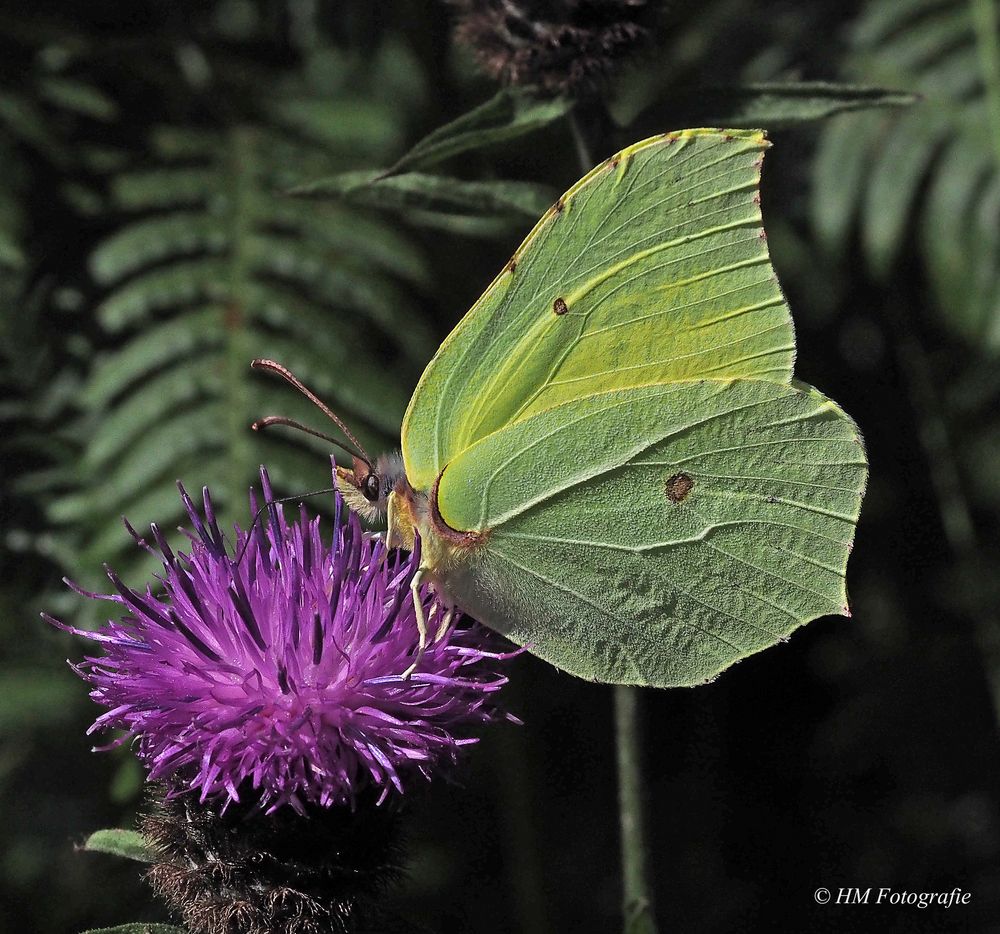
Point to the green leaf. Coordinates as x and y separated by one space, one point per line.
158 238
181 283
174 389
348 233
466 225
107 536
182 143
432 192
183 432
508 115
146 352
840 170
119 842
948 231
163 188
770 106
349 287
894 184
350 123
24 119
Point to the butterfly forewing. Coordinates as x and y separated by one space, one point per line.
651 269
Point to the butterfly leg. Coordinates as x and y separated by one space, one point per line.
445 624
418 607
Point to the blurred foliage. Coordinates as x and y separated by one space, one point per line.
212 267
209 264
929 176
150 247
918 192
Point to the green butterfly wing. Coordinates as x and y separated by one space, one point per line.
657 534
616 416
658 263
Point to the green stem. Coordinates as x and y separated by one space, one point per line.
986 21
517 780
583 154
637 899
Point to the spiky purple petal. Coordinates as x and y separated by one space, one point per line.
283 671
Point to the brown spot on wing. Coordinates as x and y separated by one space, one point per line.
678 487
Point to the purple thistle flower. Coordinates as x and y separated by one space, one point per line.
283 671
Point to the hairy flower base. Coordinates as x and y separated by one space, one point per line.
279 669
558 46
245 872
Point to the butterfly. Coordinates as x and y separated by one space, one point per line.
608 460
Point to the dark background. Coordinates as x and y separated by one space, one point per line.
863 753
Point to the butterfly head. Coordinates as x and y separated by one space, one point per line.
366 486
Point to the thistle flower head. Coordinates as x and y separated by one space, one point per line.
281 673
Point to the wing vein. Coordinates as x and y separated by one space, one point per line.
609 615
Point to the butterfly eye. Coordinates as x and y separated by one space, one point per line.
370 488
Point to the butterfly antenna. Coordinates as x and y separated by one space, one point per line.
274 502
290 377
291 423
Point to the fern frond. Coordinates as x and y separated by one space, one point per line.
212 265
163 188
12 257
157 239
931 173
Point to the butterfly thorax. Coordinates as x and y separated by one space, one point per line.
443 547
382 491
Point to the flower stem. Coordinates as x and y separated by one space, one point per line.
583 153
637 899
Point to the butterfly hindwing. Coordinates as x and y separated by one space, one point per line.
657 534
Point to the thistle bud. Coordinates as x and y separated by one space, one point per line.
557 46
